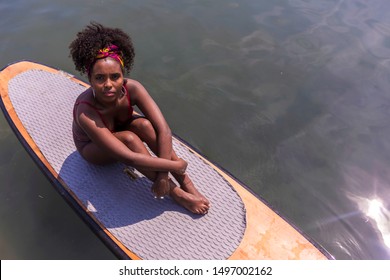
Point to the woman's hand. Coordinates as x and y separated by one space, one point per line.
161 187
181 166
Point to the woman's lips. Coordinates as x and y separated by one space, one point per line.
109 93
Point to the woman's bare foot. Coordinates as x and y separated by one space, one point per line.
187 185
195 204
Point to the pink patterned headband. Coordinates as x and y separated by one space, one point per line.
110 51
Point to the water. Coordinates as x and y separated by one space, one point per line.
289 96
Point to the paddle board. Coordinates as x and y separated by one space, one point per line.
115 200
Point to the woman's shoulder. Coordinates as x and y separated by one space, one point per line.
132 84
135 89
85 96
85 103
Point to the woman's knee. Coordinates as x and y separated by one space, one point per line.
144 128
129 138
144 125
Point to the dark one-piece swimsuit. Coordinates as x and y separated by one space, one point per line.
80 138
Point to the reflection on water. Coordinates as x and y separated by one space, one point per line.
381 217
377 214
302 84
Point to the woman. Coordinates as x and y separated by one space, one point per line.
104 126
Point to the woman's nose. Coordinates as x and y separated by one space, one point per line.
108 83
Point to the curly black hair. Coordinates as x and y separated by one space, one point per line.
94 37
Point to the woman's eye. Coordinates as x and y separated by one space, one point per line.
115 77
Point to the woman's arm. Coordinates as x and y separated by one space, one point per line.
92 124
141 98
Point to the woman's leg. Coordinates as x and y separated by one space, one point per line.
92 153
145 130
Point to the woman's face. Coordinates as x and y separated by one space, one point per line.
106 79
